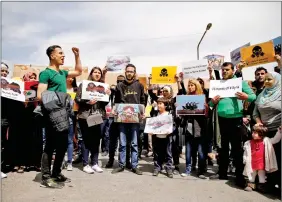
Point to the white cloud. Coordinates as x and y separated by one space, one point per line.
104 29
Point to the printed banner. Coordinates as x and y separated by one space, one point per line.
225 88
190 104
163 75
277 45
159 125
215 61
30 90
117 63
128 113
235 55
258 54
196 69
12 89
94 90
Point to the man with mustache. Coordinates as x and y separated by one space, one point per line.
130 91
230 117
54 79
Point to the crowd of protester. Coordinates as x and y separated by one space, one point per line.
242 131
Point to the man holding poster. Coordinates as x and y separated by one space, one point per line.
230 117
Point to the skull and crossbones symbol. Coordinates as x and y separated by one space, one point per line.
257 52
163 72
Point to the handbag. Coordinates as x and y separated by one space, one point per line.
94 118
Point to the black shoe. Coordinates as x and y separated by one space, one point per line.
137 171
61 178
169 173
50 183
109 164
118 170
105 153
240 182
156 173
128 166
218 177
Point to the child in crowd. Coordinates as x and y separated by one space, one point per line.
259 157
162 148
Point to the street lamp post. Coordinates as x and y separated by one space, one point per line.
208 27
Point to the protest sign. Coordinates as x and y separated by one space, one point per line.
163 74
159 125
30 90
12 89
190 104
117 63
235 55
94 90
225 88
143 81
277 45
128 113
195 69
258 54
215 61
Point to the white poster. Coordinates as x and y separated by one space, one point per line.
235 55
12 89
159 125
117 63
225 88
196 69
94 90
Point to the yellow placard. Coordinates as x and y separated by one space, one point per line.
163 75
72 94
258 54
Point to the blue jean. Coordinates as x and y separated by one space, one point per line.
70 143
43 137
105 131
128 131
195 144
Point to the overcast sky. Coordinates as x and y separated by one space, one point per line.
152 34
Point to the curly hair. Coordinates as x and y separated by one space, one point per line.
199 90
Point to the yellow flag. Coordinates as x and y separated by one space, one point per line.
163 74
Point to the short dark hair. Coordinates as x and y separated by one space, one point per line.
277 69
260 69
261 130
225 64
121 76
50 50
130 65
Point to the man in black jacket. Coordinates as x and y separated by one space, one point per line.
130 91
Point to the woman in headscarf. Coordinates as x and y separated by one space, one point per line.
267 112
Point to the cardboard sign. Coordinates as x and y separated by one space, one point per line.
94 90
215 61
196 69
128 113
277 45
258 54
117 63
225 88
159 125
235 55
12 89
163 75
190 104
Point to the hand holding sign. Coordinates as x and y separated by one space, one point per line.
215 100
242 96
278 59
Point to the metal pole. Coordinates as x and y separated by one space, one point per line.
199 44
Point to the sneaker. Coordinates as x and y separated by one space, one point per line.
50 183
3 175
150 154
218 177
176 170
186 174
88 169
201 176
156 173
250 187
169 173
61 178
97 169
118 170
109 164
137 171
163 171
69 167
105 153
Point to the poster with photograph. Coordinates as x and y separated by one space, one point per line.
117 63
190 104
277 45
128 113
225 88
94 90
30 90
159 125
12 89
215 61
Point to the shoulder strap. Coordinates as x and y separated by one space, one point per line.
60 102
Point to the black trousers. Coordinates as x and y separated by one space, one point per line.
54 141
231 131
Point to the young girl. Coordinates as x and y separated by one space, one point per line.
259 157
162 149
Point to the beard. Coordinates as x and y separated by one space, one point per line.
130 78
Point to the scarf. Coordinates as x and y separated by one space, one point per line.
272 94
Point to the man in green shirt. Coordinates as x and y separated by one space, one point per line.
54 79
230 118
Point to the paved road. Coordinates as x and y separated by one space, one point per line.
125 187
